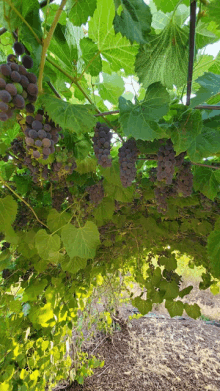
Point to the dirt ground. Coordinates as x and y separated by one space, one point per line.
156 352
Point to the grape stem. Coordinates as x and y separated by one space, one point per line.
46 44
23 20
54 89
205 165
25 202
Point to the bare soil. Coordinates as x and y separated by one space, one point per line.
157 352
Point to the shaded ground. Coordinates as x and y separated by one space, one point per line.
157 352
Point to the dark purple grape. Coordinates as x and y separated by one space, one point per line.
39 117
24 81
29 141
29 119
30 108
2 83
27 61
3 117
3 106
38 143
46 151
55 138
32 77
33 134
11 89
14 67
41 134
5 96
5 70
46 142
22 70
49 136
16 77
18 48
19 102
32 89
47 128
36 154
37 125
31 98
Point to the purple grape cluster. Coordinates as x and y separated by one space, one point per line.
166 163
127 158
161 194
180 159
18 87
60 169
102 144
41 135
96 193
185 180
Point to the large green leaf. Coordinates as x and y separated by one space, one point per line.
204 36
192 310
81 242
175 308
111 87
183 134
56 220
134 21
165 58
144 306
207 181
139 120
47 245
73 265
213 12
76 118
79 11
204 145
8 211
171 289
213 249
105 210
115 48
209 86
91 56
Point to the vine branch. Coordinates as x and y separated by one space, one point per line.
54 89
191 49
46 43
205 165
25 202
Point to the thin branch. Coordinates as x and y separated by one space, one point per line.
85 94
46 43
107 113
191 49
23 20
207 107
205 165
72 78
54 89
21 199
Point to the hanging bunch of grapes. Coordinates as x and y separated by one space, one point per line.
96 193
102 144
18 87
185 180
63 165
127 158
166 163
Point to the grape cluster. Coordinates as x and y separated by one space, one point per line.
61 195
161 193
64 165
185 180
127 159
18 88
41 135
96 193
166 163
102 144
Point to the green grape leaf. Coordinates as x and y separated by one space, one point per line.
104 211
171 289
213 249
81 242
168 5
185 291
213 12
175 308
41 315
170 262
116 49
47 246
23 184
165 58
111 87
56 220
8 211
204 145
76 118
86 165
138 120
207 181
183 135
192 310
28 6
73 265
34 289
112 184
209 86
91 56
143 306
134 22
78 12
